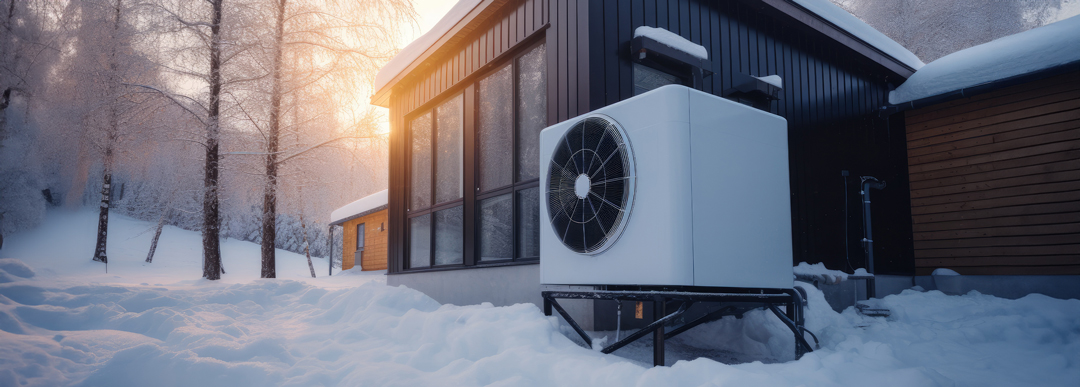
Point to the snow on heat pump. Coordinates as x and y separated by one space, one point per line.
674 187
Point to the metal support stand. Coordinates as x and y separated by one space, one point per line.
731 304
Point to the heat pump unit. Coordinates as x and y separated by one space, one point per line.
674 187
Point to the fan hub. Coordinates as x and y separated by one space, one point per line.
581 186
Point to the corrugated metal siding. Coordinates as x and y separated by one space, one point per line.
995 181
830 99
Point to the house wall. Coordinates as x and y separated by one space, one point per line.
503 30
831 98
995 181
375 242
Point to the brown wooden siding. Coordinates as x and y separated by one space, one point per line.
375 242
995 180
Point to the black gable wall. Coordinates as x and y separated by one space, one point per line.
831 97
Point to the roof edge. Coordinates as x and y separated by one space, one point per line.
820 24
360 215
381 97
983 88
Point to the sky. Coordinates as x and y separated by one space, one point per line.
429 12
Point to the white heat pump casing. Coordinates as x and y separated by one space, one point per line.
711 204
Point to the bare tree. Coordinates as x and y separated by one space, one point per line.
351 39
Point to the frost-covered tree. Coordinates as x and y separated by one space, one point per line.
934 28
28 47
320 53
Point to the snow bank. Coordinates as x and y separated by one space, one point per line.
673 40
366 203
819 272
853 25
413 51
66 325
944 271
1029 51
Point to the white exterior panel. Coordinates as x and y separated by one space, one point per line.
742 200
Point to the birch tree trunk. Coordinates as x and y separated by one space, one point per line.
269 215
112 83
211 215
157 235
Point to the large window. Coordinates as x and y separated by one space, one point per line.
508 110
512 109
436 186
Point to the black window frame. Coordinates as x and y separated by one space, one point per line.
434 207
515 186
472 197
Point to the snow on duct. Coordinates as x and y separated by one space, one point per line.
673 40
1026 52
365 204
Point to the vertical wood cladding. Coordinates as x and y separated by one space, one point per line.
375 242
830 98
995 180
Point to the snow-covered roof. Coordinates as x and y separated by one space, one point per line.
853 25
673 40
413 51
823 8
365 204
1026 52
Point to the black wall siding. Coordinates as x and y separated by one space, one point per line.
830 99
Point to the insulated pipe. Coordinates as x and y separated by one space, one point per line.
869 182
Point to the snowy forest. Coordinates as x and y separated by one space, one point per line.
249 119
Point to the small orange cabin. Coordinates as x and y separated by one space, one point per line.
364 232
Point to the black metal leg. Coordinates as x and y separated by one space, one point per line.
570 320
659 309
547 307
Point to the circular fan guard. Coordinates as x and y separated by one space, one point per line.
593 153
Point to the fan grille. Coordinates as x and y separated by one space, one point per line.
595 149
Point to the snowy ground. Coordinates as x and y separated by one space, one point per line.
63 321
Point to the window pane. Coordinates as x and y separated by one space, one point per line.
420 241
420 189
528 223
647 78
496 129
496 230
448 237
360 236
532 111
448 162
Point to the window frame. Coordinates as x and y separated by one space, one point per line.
432 208
515 186
360 236
471 198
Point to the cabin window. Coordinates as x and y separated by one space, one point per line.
647 78
511 112
358 256
360 237
436 185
